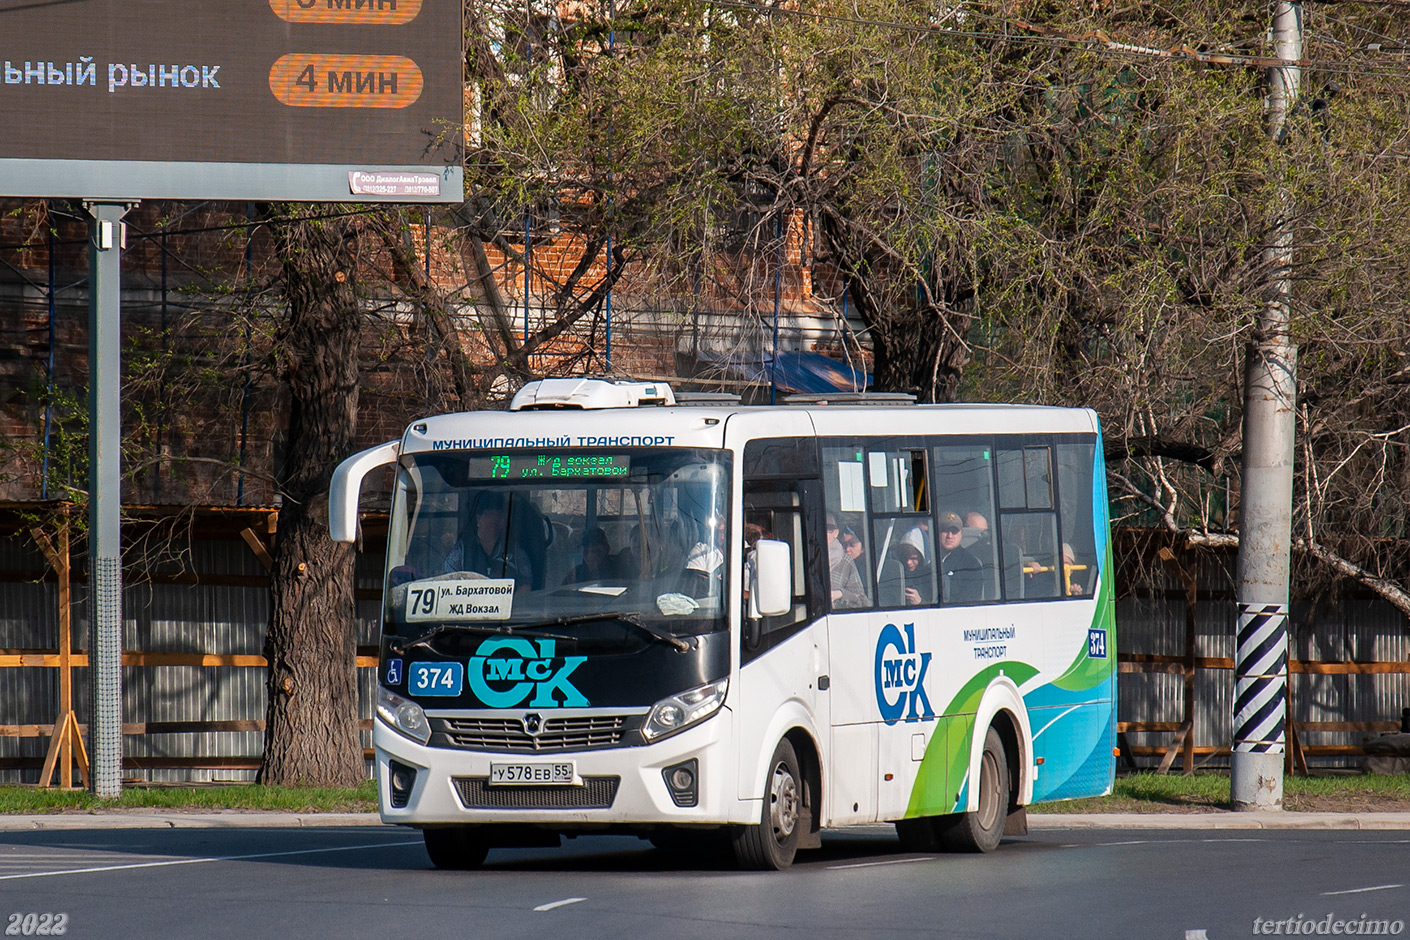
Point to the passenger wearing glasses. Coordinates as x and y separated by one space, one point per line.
961 574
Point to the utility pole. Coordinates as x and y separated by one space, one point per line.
105 496
1265 517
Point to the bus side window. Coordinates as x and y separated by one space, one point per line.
903 533
775 511
1028 523
1076 464
964 485
844 493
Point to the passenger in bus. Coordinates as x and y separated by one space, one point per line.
852 545
598 563
976 530
488 551
629 559
847 587
919 584
919 536
705 562
978 540
961 574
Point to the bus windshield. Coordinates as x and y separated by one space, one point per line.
554 540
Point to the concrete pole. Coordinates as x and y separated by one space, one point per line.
1265 517
105 496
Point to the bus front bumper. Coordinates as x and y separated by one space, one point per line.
623 786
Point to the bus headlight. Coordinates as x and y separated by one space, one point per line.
403 715
681 711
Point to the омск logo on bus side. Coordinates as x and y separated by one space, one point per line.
505 680
900 676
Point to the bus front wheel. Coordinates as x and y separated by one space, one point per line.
772 844
981 830
456 848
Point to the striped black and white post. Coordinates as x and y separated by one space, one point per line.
1260 685
1266 490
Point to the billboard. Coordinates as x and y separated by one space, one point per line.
316 100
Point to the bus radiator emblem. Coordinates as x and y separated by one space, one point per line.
506 670
900 676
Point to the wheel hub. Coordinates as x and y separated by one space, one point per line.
783 802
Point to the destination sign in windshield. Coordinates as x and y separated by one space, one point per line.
549 466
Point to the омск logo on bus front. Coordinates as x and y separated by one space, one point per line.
900 676
505 670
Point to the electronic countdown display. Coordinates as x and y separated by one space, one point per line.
549 466
305 100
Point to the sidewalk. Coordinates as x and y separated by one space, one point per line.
1218 820
1037 822
167 819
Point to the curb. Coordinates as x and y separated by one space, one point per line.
231 820
1221 820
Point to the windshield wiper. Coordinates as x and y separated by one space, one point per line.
656 633
424 640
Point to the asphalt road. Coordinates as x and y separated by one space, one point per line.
373 882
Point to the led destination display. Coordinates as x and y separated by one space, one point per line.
549 466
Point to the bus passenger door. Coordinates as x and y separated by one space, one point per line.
784 658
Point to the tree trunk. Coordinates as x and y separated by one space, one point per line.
311 725
915 352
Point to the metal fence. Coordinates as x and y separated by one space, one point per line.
194 696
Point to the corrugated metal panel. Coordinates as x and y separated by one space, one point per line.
202 618
1360 629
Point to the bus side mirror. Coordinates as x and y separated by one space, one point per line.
347 484
771 594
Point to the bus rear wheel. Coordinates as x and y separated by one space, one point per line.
981 830
771 845
455 848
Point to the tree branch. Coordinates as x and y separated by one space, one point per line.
1120 449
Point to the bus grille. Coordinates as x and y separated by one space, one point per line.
511 734
595 793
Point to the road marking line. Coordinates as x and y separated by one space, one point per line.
563 903
894 861
1327 894
1131 842
1373 841
212 858
1196 934
60 856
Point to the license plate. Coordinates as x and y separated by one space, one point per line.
534 773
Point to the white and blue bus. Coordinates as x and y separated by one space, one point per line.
607 610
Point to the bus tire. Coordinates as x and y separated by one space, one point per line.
981 830
771 845
455 848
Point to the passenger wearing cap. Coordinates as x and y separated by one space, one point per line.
961 574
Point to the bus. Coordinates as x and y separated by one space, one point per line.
612 609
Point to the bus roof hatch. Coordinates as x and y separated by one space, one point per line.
590 394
